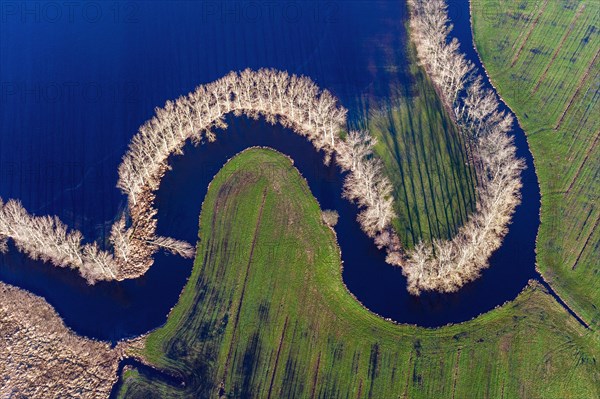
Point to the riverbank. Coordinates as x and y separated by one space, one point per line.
541 276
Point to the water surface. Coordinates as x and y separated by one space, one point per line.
75 88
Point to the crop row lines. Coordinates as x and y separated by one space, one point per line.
559 47
529 32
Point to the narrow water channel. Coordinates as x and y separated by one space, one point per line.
60 156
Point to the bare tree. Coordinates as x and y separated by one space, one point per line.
330 217
120 240
446 265
3 236
47 238
366 184
296 102
176 247
357 146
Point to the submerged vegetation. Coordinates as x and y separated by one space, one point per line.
544 59
265 314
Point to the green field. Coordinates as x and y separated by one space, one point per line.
266 313
425 158
544 58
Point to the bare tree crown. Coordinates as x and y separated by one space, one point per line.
294 101
446 265
297 103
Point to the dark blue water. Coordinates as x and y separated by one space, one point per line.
77 81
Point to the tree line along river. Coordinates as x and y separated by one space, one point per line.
64 158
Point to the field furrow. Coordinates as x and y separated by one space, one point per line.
577 90
529 32
559 47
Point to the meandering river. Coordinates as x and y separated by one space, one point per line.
75 87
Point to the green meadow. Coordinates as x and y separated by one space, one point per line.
265 314
425 158
544 58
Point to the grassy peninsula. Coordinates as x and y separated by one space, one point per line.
544 59
265 314
425 159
